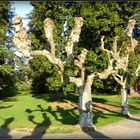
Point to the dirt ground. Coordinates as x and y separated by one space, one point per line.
97 106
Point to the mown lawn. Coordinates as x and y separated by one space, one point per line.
26 112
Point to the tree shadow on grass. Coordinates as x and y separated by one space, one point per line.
67 116
41 127
133 107
101 114
99 100
57 97
4 130
3 106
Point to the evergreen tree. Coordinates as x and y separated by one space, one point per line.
7 74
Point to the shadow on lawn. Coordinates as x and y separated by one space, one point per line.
4 130
68 116
133 107
41 127
57 97
134 119
99 100
100 114
3 106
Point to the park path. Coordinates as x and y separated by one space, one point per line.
124 129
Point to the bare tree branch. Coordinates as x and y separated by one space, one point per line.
118 80
48 28
114 47
104 74
81 59
132 46
90 78
21 39
77 81
121 77
130 26
51 58
122 63
134 42
102 45
74 36
137 70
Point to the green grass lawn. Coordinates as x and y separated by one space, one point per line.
26 112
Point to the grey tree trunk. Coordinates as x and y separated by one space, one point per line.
85 107
124 96
124 104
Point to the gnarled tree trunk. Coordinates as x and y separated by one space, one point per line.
85 105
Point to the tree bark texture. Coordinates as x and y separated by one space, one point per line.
121 62
85 105
124 104
124 96
21 39
74 36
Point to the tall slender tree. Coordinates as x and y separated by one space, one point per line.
7 73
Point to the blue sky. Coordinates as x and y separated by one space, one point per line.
22 8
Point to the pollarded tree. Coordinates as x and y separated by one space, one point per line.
62 13
80 78
135 56
100 18
121 62
108 19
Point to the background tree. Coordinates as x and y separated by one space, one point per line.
7 73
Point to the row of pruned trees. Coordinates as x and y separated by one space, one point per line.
117 58
57 60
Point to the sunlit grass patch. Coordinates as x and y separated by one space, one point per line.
28 112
